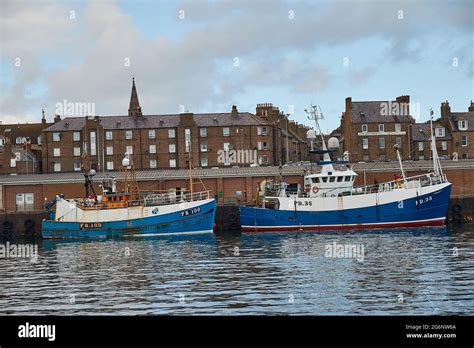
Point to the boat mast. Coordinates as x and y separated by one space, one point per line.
315 116
436 163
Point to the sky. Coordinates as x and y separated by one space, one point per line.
205 56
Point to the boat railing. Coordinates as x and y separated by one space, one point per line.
167 197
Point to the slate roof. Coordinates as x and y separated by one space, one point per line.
369 112
23 130
468 116
422 132
159 121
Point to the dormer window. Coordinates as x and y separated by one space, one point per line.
462 125
364 128
440 132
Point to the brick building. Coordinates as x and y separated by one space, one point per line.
20 147
168 141
370 129
454 133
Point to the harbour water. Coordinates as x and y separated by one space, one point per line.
401 272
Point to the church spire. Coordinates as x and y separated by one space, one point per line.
134 109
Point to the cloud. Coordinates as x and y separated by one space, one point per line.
197 68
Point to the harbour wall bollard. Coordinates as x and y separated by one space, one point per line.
461 210
21 224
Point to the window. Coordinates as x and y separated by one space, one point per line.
365 158
20 140
420 146
226 131
128 134
381 143
129 149
109 150
340 178
203 132
381 128
203 147
153 163
77 151
462 125
40 140
172 163
2 141
398 141
265 159
464 156
110 165
464 140
151 134
109 135
444 145
347 178
93 144
262 130
76 136
332 179
204 162
439 132
365 143
77 166
187 139
171 133
171 148
398 127
364 128
421 157
13 163
152 149
25 201
56 152
325 178
57 167
56 136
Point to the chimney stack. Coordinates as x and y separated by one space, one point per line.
445 109
57 118
471 107
235 112
43 117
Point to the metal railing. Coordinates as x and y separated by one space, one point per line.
167 197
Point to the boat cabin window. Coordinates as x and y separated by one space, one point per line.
325 179
332 179
340 178
347 178
315 180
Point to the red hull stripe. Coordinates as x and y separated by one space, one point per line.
439 222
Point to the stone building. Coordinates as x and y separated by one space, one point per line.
171 140
20 147
370 129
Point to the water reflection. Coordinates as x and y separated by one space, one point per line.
419 271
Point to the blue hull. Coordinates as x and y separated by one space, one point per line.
172 223
431 212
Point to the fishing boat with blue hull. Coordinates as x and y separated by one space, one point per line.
329 200
129 212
